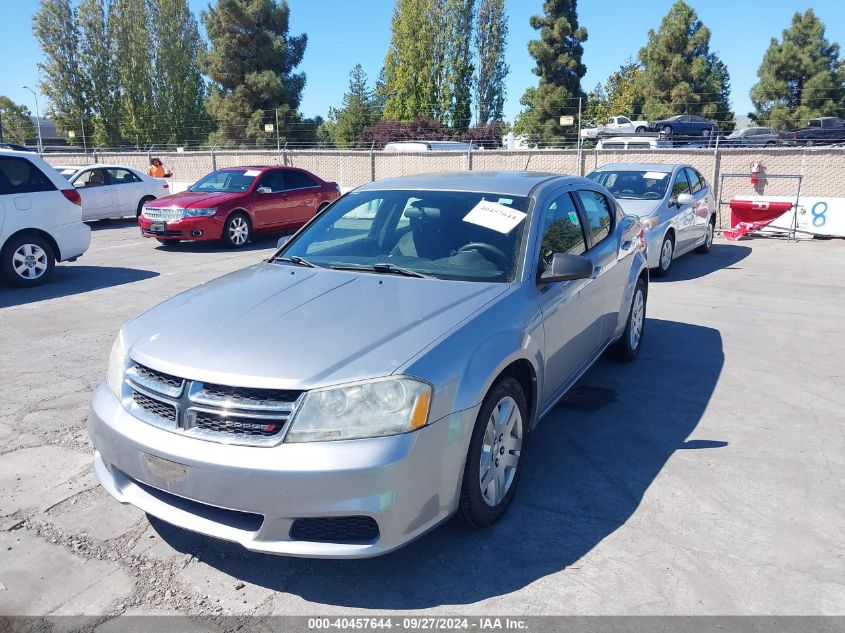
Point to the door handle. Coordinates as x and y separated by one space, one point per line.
596 272
626 245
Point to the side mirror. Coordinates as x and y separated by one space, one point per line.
264 190
282 241
685 199
566 267
79 184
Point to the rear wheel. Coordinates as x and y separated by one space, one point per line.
667 252
492 468
627 348
237 231
708 237
28 260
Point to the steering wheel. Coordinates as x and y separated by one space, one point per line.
651 195
487 249
631 191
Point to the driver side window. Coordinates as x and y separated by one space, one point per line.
562 230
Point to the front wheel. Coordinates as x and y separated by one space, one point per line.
492 467
627 348
237 231
28 260
640 130
667 129
667 253
708 238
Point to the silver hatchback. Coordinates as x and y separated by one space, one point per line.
380 373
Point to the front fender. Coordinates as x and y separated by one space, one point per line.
638 265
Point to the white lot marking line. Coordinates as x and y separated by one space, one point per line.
105 248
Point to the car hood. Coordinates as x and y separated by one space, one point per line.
190 199
640 208
286 327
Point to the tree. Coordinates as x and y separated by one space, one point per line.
616 97
251 64
15 124
457 94
55 27
679 72
179 86
558 53
491 34
420 128
800 77
527 124
97 56
359 111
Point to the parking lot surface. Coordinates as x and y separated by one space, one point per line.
708 477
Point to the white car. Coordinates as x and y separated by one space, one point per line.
616 125
112 191
40 219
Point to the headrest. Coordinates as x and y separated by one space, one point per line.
427 213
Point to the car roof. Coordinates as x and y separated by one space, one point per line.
259 167
664 167
515 183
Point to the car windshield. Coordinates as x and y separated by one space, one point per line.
633 185
443 234
226 181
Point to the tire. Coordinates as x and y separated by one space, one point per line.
708 240
482 506
706 132
665 262
640 130
28 260
628 347
141 204
237 231
667 129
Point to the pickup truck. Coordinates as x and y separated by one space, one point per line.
821 130
616 125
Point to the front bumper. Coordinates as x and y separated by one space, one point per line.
408 483
209 228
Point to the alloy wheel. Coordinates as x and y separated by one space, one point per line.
238 231
30 261
708 239
500 451
666 254
637 318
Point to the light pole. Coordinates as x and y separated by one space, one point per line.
37 119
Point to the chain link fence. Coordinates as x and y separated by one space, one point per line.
823 169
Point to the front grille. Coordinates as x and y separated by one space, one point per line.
167 214
247 397
163 410
355 529
158 377
217 423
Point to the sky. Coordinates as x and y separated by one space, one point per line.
342 33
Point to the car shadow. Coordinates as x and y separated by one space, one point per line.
693 266
587 473
260 242
112 223
72 280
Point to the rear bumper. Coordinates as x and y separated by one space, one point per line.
73 240
407 483
197 229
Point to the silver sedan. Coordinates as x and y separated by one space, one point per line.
674 203
380 373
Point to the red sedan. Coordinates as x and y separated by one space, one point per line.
233 203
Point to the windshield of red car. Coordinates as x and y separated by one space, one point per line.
226 181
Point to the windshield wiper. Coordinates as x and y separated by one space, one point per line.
295 259
383 269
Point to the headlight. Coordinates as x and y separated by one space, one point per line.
373 408
200 213
650 222
117 365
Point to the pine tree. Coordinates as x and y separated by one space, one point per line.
62 80
800 77
15 124
251 63
491 34
680 75
558 53
179 86
97 57
358 111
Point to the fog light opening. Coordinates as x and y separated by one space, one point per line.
196 233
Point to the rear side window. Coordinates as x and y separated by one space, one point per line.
695 183
599 214
298 180
562 230
121 176
18 175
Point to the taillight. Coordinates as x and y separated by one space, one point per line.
73 196
166 186
795 136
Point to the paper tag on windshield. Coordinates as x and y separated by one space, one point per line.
655 175
495 216
251 172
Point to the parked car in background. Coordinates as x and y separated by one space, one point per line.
685 124
471 302
674 204
819 131
752 137
616 125
40 219
112 191
234 203
633 142
431 146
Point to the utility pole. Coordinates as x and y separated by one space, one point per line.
580 169
84 145
278 143
1 126
37 120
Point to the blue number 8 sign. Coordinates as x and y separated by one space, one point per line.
819 217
